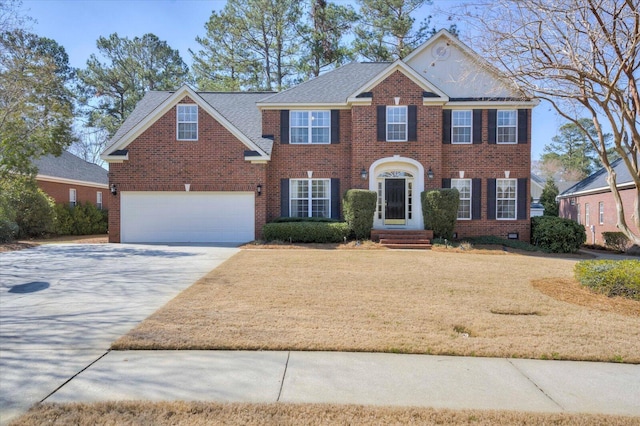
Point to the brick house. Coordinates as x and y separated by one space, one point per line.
591 203
196 167
70 180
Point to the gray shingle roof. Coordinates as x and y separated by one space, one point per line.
239 108
68 166
598 180
333 87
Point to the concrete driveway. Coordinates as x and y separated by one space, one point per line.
61 306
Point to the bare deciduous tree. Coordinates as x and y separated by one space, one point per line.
582 56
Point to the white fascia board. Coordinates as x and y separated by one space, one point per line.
628 185
55 179
407 71
492 104
114 158
300 106
169 103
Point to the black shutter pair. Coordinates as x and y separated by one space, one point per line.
523 125
335 198
521 201
476 196
284 126
412 123
476 123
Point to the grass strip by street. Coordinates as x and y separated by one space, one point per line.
441 303
210 413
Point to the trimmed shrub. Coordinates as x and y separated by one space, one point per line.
33 209
440 211
556 234
306 232
8 226
83 219
615 241
358 208
611 277
303 219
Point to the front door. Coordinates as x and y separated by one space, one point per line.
395 201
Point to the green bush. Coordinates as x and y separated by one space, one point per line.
611 277
359 207
33 209
8 226
440 211
556 234
306 232
493 240
83 219
303 219
615 241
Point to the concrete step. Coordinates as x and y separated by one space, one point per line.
408 246
396 240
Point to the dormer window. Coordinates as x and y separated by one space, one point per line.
187 122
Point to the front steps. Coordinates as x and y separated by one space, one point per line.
403 239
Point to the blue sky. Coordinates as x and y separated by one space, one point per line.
77 24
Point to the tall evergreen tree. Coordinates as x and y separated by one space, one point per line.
111 89
548 198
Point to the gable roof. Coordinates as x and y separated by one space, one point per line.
331 88
235 111
69 167
597 182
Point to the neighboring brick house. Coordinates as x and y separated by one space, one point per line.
70 180
200 167
591 203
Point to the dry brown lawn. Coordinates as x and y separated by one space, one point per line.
209 413
434 302
35 242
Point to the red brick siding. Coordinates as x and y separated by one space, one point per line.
610 212
159 162
60 192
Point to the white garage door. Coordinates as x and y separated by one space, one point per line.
187 217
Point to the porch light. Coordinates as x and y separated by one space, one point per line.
113 189
430 173
363 173
259 189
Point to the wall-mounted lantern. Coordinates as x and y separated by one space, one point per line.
113 189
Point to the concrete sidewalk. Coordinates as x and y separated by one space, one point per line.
359 378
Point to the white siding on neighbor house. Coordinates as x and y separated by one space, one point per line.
187 217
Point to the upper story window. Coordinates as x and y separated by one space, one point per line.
310 127
187 122
461 126
507 125
72 197
310 198
396 123
99 200
506 198
464 189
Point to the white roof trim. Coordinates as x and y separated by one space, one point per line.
164 107
475 104
626 185
55 179
412 74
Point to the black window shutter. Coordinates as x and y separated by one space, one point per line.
491 198
493 123
382 123
523 125
446 183
476 198
412 123
523 195
335 126
446 126
284 197
477 126
284 126
335 198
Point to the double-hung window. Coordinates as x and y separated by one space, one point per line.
310 197
506 198
72 197
461 123
99 200
464 189
396 123
507 125
310 127
601 212
587 215
187 122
